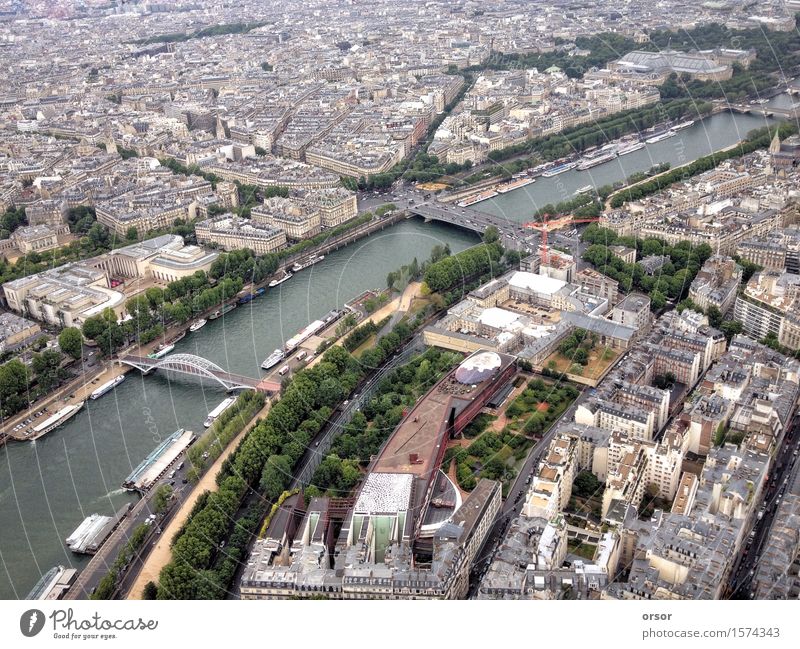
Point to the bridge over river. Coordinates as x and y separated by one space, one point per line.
512 233
200 367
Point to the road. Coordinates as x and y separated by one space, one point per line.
784 474
98 567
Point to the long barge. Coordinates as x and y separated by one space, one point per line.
153 466
559 169
56 420
309 330
477 198
107 387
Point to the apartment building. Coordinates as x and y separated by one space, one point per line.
289 215
769 306
230 232
335 206
551 487
633 311
716 284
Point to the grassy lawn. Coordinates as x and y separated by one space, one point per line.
599 361
419 303
585 550
538 406
369 343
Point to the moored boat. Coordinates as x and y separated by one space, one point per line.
106 387
273 359
198 324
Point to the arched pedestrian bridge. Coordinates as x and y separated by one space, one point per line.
200 367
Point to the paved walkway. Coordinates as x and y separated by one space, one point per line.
161 554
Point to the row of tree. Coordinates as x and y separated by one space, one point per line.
369 428
467 264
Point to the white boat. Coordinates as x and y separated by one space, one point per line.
216 412
300 265
592 161
54 421
273 359
585 189
275 282
309 330
683 125
515 184
106 387
630 148
661 136
477 198
163 351
198 324
560 169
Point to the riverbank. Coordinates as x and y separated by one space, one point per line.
161 554
607 202
78 468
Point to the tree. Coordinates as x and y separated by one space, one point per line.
132 234
70 341
47 367
580 356
657 300
150 591
731 328
714 316
276 476
14 379
491 235
162 497
512 258
586 484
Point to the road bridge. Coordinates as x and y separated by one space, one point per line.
512 233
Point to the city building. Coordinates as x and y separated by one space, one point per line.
230 232
633 311
295 219
769 306
64 296
716 284
655 67
335 206
16 331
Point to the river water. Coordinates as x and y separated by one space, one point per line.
49 486
705 136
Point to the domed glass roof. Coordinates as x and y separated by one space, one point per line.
478 367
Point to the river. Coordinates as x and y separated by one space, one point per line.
704 137
47 487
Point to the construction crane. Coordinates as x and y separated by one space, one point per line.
544 226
